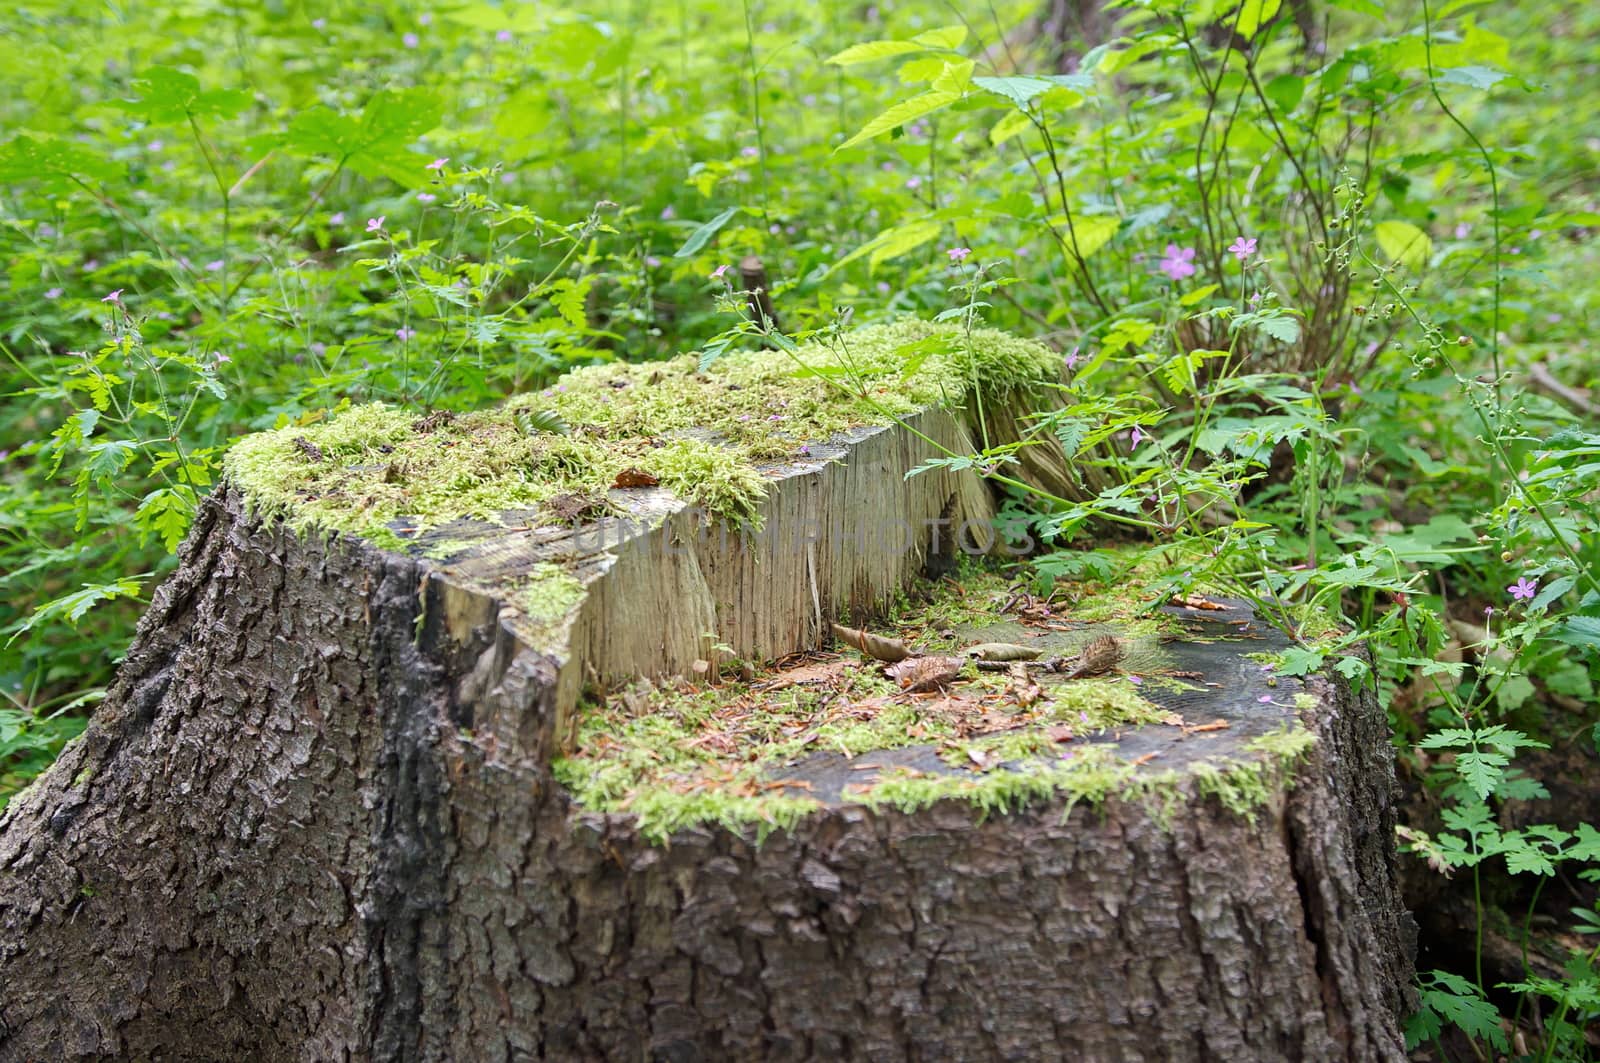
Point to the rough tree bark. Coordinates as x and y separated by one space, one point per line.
315 820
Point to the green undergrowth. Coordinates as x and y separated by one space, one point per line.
703 433
688 755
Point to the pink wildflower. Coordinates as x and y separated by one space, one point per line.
1178 262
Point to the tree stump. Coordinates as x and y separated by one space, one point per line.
318 815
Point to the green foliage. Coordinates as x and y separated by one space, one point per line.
1309 283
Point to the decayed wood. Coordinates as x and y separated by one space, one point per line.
315 819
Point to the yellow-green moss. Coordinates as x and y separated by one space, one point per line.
701 433
548 596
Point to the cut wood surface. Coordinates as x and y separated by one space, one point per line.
318 817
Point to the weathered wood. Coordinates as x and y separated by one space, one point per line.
316 819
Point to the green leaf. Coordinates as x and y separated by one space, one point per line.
954 77
166 96
374 143
1253 14
872 51
1580 631
1087 235
166 511
72 607
944 37
920 70
52 162
534 422
1478 77
1190 298
1481 770
1015 123
1460 1003
1404 243
1299 661
701 236
1023 89
570 297
1285 90
1281 327
892 243
900 114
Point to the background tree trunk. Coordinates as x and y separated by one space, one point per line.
315 820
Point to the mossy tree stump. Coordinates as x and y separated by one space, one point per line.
328 809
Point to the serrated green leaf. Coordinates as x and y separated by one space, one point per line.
1468 1011
1281 327
167 511
1023 89
943 37
901 113
872 51
701 236
1299 661
1404 243
1581 631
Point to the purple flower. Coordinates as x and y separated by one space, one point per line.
426 197
1255 299
53 293
214 266
1241 248
1523 589
222 358
438 164
319 23
1135 680
1137 437
913 182
1178 263
375 225
114 297
750 151
1488 611
717 273
958 254
1072 358
504 36
667 213
1462 229
410 40
336 218
652 261
405 334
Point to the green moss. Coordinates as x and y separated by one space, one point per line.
1247 784
547 596
702 434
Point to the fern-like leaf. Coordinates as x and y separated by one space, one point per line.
534 422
